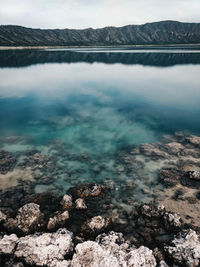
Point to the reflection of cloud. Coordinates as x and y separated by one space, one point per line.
55 82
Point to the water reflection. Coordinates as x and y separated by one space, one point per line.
162 58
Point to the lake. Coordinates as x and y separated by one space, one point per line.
82 108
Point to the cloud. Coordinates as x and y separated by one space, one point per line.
85 13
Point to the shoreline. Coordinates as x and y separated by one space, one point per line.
171 46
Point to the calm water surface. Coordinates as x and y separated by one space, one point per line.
96 102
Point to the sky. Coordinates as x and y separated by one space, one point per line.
79 14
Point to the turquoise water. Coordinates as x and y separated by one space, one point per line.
96 103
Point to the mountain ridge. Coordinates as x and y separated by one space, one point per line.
154 33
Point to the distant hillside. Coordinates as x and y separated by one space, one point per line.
162 33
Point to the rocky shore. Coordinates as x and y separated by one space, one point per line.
147 216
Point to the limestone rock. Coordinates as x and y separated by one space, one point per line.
29 217
172 220
58 220
111 250
66 202
96 224
8 244
185 249
80 204
48 249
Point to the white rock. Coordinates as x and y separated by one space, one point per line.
111 250
28 217
58 220
66 202
45 249
8 243
185 249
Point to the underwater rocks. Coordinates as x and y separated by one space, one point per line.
194 175
7 162
151 150
170 177
109 250
87 190
185 249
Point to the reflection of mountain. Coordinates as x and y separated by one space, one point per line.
20 58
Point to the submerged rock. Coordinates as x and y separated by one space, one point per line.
174 148
194 175
88 190
7 161
111 250
185 249
170 177
194 140
48 249
152 151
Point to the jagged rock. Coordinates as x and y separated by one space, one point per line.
8 244
66 202
3 217
150 150
172 220
185 249
111 250
80 204
58 220
194 175
174 148
7 161
29 218
48 249
96 224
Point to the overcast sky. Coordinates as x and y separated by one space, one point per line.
95 13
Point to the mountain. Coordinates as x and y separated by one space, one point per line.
21 58
156 33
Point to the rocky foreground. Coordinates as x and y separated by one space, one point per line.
71 235
101 225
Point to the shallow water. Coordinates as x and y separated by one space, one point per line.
71 105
